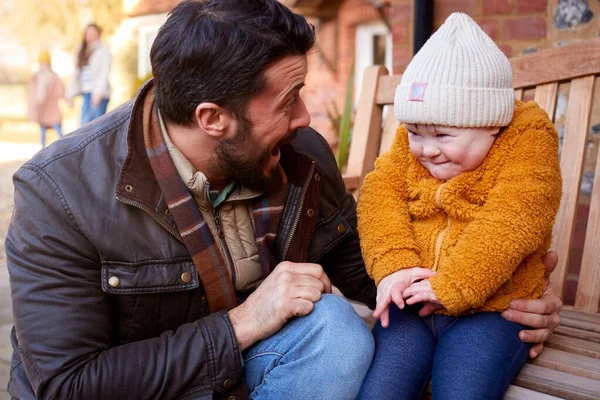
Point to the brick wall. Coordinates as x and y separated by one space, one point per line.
517 26
329 69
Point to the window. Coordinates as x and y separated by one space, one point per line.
373 47
147 31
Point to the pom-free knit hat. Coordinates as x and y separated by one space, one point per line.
459 78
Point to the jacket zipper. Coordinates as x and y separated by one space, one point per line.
149 212
438 244
297 219
217 219
440 239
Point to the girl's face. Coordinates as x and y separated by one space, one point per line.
448 151
91 34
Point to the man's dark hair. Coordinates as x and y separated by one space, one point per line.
217 50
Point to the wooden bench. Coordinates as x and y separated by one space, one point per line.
569 366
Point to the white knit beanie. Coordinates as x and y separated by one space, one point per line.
459 78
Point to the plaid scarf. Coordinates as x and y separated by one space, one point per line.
195 232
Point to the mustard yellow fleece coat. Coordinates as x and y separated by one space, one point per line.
484 231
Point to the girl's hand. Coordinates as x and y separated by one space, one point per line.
428 308
391 287
421 292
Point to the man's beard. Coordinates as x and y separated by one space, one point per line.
237 159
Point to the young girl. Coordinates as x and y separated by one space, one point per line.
45 90
455 218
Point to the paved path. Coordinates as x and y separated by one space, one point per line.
7 168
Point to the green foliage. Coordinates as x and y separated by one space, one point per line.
345 124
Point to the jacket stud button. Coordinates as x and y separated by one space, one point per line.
168 211
231 398
317 177
341 228
310 212
113 281
186 277
128 188
228 383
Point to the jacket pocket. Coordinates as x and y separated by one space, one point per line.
150 276
328 234
150 297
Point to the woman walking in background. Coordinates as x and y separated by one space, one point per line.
91 75
45 89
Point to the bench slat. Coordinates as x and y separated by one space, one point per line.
588 287
577 333
519 393
518 94
588 326
390 125
513 393
574 364
556 65
569 312
367 126
387 89
571 164
573 345
557 383
351 182
545 96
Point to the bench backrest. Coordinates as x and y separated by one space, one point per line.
543 71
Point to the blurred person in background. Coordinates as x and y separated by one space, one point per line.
45 89
91 75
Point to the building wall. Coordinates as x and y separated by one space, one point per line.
517 26
330 67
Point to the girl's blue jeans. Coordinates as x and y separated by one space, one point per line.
467 357
89 112
44 129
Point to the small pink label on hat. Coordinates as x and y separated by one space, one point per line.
417 92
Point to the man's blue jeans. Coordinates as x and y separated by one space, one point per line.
90 113
323 355
470 357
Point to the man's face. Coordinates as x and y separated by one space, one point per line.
273 117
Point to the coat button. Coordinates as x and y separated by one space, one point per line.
317 177
186 277
113 281
310 212
231 398
341 228
128 188
228 383
168 211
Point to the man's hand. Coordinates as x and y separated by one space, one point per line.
96 99
289 291
391 288
541 314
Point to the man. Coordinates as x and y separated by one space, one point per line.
184 245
